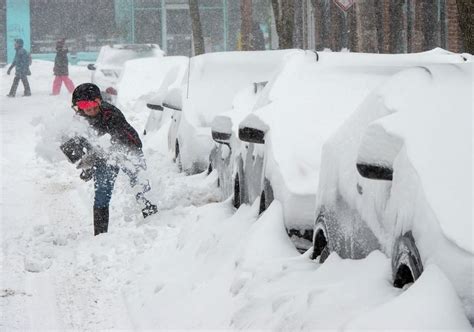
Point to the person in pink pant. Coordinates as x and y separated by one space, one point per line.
61 70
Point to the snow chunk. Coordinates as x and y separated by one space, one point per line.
433 292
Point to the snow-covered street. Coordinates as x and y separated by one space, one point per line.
198 264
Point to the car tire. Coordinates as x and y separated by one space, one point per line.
320 240
406 261
266 197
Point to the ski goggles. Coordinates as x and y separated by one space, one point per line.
85 104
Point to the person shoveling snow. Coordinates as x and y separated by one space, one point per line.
103 164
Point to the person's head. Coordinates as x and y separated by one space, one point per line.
87 99
18 43
60 44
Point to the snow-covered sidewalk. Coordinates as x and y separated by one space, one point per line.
197 264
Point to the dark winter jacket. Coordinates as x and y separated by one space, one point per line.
21 62
61 63
111 121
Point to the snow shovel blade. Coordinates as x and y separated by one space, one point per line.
75 148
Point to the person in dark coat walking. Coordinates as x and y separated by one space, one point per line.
61 70
21 63
125 154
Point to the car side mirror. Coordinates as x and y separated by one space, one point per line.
252 135
91 66
252 129
154 107
375 172
173 99
377 152
222 138
221 129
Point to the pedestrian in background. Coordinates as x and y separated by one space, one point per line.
21 63
61 69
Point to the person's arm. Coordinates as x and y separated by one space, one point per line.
15 60
122 130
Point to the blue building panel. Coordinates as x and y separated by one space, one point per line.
18 25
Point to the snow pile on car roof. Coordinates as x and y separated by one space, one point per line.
140 77
215 78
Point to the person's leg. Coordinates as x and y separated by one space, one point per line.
12 92
56 85
68 83
26 85
104 180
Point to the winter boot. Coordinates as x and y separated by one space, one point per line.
101 220
149 209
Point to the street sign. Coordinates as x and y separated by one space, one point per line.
344 4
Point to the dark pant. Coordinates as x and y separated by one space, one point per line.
16 81
104 180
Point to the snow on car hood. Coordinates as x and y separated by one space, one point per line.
435 127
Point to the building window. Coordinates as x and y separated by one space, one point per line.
87 25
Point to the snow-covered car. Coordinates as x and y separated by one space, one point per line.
211 85
397 177
307 102
108 67
145 81
173 80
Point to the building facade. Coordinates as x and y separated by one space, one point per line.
380 26
87 25
376 26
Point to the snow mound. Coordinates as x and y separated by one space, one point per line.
433 292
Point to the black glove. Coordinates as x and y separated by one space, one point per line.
87 174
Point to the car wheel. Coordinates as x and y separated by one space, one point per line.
177 157
406 261
266 197
237 191
320 240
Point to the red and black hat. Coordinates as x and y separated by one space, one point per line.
85 92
